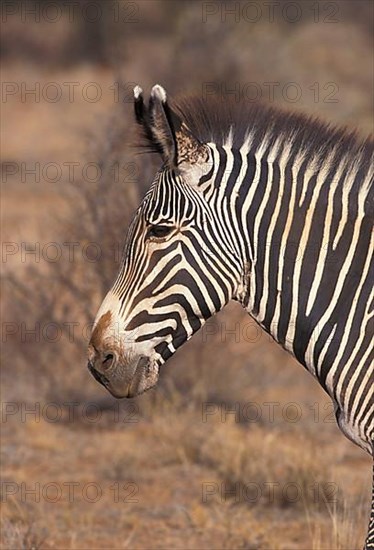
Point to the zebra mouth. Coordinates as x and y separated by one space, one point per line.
98 376
144 377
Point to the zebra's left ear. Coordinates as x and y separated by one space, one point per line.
169 135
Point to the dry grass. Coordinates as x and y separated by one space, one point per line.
171 462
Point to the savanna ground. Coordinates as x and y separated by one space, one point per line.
237 447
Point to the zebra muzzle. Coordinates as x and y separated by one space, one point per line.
124 379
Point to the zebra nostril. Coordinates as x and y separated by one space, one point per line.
108 361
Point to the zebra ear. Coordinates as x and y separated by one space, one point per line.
162 121
167 133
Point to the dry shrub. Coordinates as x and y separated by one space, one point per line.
67 294
17 534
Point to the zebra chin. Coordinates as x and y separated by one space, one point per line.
124 379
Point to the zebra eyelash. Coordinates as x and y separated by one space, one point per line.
159 231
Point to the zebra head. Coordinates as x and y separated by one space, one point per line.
180 264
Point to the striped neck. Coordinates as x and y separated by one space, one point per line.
292 219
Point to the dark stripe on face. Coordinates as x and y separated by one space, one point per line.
184 278
156 285
183 303
194 258
153 317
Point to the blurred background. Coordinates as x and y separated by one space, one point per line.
237 447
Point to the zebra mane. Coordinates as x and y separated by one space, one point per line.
237 123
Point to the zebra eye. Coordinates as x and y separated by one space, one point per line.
159 231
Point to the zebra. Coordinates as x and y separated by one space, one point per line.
268 208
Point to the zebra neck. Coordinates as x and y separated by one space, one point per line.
296 221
